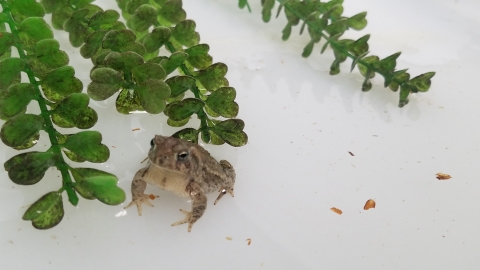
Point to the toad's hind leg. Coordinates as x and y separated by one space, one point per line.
199 204
229 182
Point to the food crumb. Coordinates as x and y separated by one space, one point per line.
369 204
135 129
113 146
229 238
351 154
336 210
443 176
152 197
249 241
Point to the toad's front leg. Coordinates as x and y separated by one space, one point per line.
138 189
199 204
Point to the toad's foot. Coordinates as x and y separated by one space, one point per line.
188 218
222 192
141 199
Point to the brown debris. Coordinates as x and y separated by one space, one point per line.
152 197
336 210
443 176
351 154
249 241
228 238
369 204
135 129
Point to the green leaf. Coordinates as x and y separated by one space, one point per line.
32 30
405 91
179 110
213 77
337 27
29 168
73 111
132 5
360 46
267 6
46 212
156 39
180 84
117 40
391 76
173 62
20 129
187 134
205 135
397 80
364 69
184 33
60 16
70 155
128 101
16 99
231 131
386 65
10 69
92 44
171 13
98 184
181 123
198 56
148 71
152 95
62 81
357 22
222 102
105 83
422 82
87 145
6 42
355 61
144 17
47 57
124 61
22 9
104 20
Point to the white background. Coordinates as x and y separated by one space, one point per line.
301 123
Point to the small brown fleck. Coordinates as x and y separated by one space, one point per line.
249 241
443 176
369 204
351 154
336 210
135 129
113 146
152 197
229 238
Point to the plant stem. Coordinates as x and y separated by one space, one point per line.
42 103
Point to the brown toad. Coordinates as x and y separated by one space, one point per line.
185 169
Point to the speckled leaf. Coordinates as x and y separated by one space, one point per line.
180 123
29 168
398 78
77 24
10 69
364 69
62 81
131 5
198 56
180 84
32 30
47 57
60 16
20 129
157 38
213 77
184 33
93 183
105 83
152 95
396 74
387 65
87 145
92 44
231 131
46 212
405 91
6 43
222 102
422 82
124 61
128 102
73 111
73 157
188 134
173 62
360 46
144 17
171 13
104 20
16 99
116 40
148 71
180 110
267 6
22 9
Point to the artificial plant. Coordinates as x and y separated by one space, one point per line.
325 20
52 84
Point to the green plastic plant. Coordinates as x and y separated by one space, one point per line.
325 20
131 62
52 84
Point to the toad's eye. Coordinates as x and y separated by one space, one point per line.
152 143
182 156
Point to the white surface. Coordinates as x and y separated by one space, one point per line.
301 124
